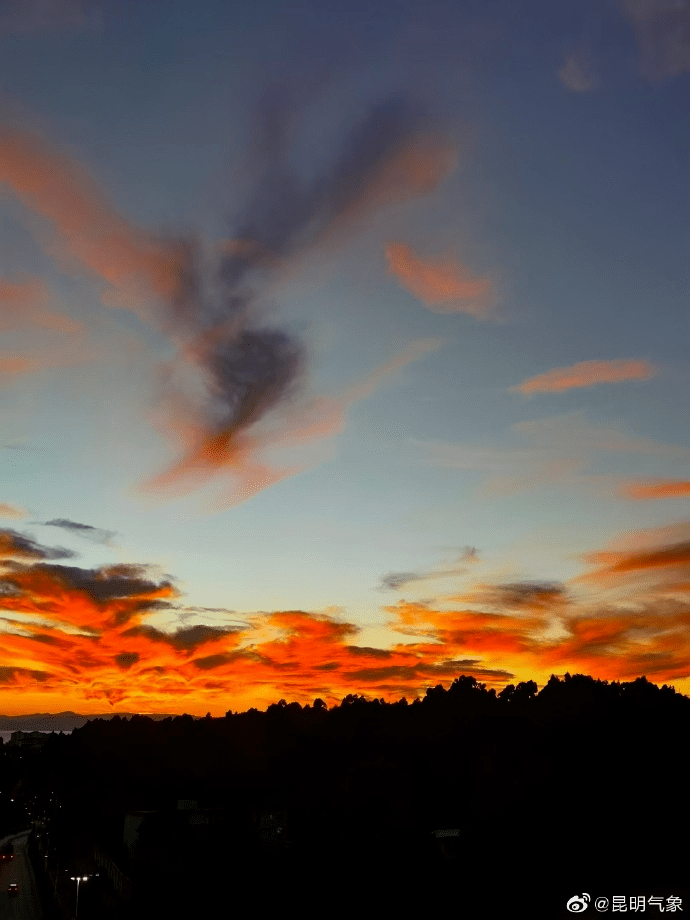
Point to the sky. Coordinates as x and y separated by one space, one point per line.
343 349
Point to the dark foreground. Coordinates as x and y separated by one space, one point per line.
480 804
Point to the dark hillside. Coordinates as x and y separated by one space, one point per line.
577 787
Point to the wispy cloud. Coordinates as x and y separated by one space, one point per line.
249 371
576 72
587 374
232 370
15 545
94 534
662 30
558 449
662 555
442 284
25 302
11 511
656 488
15 364
241 455
396 581
89 231
521 595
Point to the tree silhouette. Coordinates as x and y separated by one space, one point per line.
578 772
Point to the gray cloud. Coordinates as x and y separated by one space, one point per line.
286 215
211 661
128 585
368 652
246 368
18 546
47 639
662 30
528 594
95 534
394 581
208 662
397 580
186 639
107 583
9 675
445 669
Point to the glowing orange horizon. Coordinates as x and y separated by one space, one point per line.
82 639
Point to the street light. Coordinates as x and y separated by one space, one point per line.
77 879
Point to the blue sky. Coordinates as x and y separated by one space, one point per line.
367 318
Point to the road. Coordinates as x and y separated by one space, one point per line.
26 905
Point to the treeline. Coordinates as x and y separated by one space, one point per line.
580 782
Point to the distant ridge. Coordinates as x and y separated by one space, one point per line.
66 721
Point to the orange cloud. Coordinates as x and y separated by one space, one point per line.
14 545
412 168
25 302
443 285
587 374
620 645
89 229
13 365
83 637
651 566
242 372
207 453
11 511
657 488
665 558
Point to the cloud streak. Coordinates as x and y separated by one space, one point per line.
89 231
239 453
247 370
14 545
662 31
559 449
232 369
656 488
443 285
396 581
94 534
587 374
17 363
24 302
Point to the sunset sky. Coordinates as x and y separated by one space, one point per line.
344 348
